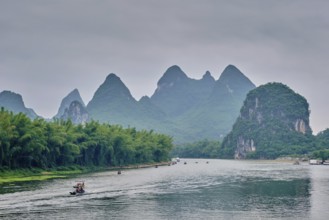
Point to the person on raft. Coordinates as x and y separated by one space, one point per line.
79 187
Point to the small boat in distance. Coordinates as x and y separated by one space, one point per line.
314 162
79 189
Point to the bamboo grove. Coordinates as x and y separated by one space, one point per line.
26 143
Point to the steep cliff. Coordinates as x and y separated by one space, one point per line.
273 121
76 112
66 102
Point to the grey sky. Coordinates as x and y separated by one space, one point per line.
48 48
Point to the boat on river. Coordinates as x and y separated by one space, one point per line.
79 189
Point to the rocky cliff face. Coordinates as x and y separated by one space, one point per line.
76 112
273 116
301 126
66 102
243 147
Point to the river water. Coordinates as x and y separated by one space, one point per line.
200 189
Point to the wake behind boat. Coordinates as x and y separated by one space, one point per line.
74 193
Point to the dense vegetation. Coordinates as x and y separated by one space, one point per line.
322 143
199 149
316 147
37 143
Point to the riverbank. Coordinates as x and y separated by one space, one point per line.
138 166
25 175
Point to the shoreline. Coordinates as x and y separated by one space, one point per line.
139 166
26 175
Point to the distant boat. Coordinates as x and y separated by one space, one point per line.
79 189
314 162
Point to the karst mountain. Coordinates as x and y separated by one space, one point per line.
186 109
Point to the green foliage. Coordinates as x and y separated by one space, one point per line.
39 144
321 146
321 154
323 139
200 149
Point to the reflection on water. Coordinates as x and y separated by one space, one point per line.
19 187
215 190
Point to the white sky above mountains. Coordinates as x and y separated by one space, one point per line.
49 48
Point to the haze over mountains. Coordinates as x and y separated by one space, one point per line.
185 108
14 102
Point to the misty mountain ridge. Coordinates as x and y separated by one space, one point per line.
112 89
187 109
14 102
176 93
113 103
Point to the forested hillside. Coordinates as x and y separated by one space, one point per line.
273 121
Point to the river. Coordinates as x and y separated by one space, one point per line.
200 189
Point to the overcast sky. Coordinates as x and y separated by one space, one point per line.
50 47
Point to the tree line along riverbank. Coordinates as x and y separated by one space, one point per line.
42 149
